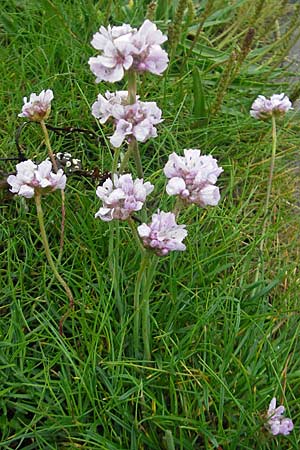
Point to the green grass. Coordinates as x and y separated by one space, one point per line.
222 345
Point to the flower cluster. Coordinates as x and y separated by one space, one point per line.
38 107
263 108
121 196
31 177
123 48
276 422
163 234
136 120
192 177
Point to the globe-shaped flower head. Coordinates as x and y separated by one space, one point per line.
38 107
277 105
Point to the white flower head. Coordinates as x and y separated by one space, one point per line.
192 177
121 196
277 423
163 234
136 120
123 48
38 107
263 108
31 178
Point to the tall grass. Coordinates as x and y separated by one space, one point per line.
220 352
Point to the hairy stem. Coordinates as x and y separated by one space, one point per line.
269 188
113 249
59 278
133 148
131 87
137 305
48 145
274 144
145 308
63 197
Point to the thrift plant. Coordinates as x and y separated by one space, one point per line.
127 51
155 212
277 423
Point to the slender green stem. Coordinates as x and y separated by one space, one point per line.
269 189
116 160
63 197
274 144
134 150
136 236
113 249
137 306
145 307
131 87
125 160
59 278
178 206
48 145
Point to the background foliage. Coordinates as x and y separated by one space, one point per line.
223 345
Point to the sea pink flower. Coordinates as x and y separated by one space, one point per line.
38 107
163 234
136 120
123 48
192 177
103 108
276 423
148 54
31 178
263 108
121 196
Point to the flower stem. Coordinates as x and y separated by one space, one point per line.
136 236
146 325
113 251
59 278
137 306
134 150
274 144
48 145
131 87
116 160
269 188
63 197
124 162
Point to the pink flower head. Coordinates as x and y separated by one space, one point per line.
104 107
263 108
121 196
31 177
136 120
163 234
148 54
276 423
123 48
38 107
192 177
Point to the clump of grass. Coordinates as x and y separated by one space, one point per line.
219 353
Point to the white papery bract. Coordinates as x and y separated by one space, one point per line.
163 234
103 108
38 107
31 178
277 423
192 177
121 196
263 108
123 48
136 120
